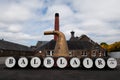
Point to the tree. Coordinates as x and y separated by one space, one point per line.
104 45
112 47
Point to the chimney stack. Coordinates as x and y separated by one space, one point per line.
72 33
56 26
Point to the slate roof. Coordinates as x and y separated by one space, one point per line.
72 45
5 45
41 43
75 45
49 45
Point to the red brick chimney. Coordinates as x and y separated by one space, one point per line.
56 26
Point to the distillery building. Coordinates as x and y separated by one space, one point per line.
81 46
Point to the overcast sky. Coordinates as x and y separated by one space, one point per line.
24 21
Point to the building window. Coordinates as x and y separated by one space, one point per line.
104 53
84 53
49 53
70 53
93 53
52 52
99 51
100 54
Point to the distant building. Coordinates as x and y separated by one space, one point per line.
14 49
81 46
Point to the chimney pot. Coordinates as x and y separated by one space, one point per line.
72 33
56 14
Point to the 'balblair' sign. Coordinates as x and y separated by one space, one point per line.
61 62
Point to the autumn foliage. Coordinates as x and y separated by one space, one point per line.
111 47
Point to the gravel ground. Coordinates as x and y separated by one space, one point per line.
57 74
